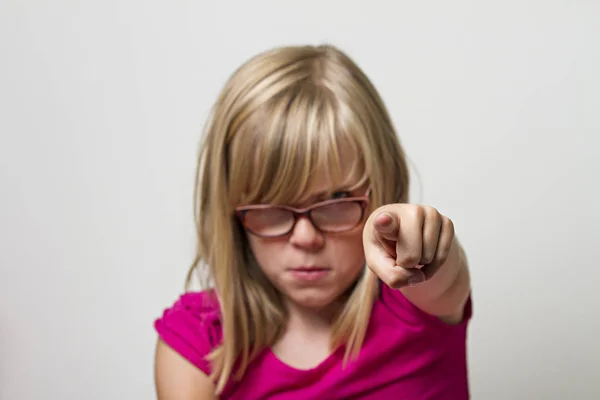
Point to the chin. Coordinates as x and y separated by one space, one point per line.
313 299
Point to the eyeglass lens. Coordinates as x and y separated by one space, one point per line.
335 217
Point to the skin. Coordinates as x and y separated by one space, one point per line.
413 248
342 253
410 247
311 305
177 379
397 241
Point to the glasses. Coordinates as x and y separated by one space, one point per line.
330 216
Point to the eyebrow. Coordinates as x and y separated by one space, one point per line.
323 193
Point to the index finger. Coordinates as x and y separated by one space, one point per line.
387 226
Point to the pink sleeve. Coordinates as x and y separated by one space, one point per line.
192 327
414 316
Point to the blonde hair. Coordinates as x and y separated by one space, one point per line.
282 117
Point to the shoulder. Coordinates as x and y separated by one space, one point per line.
191 326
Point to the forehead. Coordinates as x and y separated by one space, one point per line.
293 147
304 181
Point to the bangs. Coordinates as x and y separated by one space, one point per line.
298 135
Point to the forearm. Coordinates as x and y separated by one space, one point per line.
445 294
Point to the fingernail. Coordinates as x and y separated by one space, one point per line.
384 218
415 279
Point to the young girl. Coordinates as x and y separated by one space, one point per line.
327 283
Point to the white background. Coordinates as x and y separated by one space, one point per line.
101 110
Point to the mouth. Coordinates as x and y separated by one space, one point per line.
309 273
310 268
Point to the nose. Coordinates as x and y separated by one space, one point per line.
306 236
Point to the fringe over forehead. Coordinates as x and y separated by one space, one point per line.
288 141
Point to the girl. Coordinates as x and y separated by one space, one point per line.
327 283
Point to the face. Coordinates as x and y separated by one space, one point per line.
312 269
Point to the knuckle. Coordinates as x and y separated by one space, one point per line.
408 260
431 211
417 212
448 224
393 278
395 283
386 277
427 257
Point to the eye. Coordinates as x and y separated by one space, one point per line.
340 195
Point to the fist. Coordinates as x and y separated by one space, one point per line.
406 244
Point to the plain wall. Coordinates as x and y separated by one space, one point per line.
102 106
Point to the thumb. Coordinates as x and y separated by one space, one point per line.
398 277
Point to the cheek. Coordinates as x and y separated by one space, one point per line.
348 250
264 250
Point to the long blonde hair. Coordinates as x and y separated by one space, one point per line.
281 118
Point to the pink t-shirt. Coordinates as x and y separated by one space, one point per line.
407 354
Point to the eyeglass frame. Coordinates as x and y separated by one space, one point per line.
363 202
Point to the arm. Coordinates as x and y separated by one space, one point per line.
177 379
446 293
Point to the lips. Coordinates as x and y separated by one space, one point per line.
305 268
309 274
